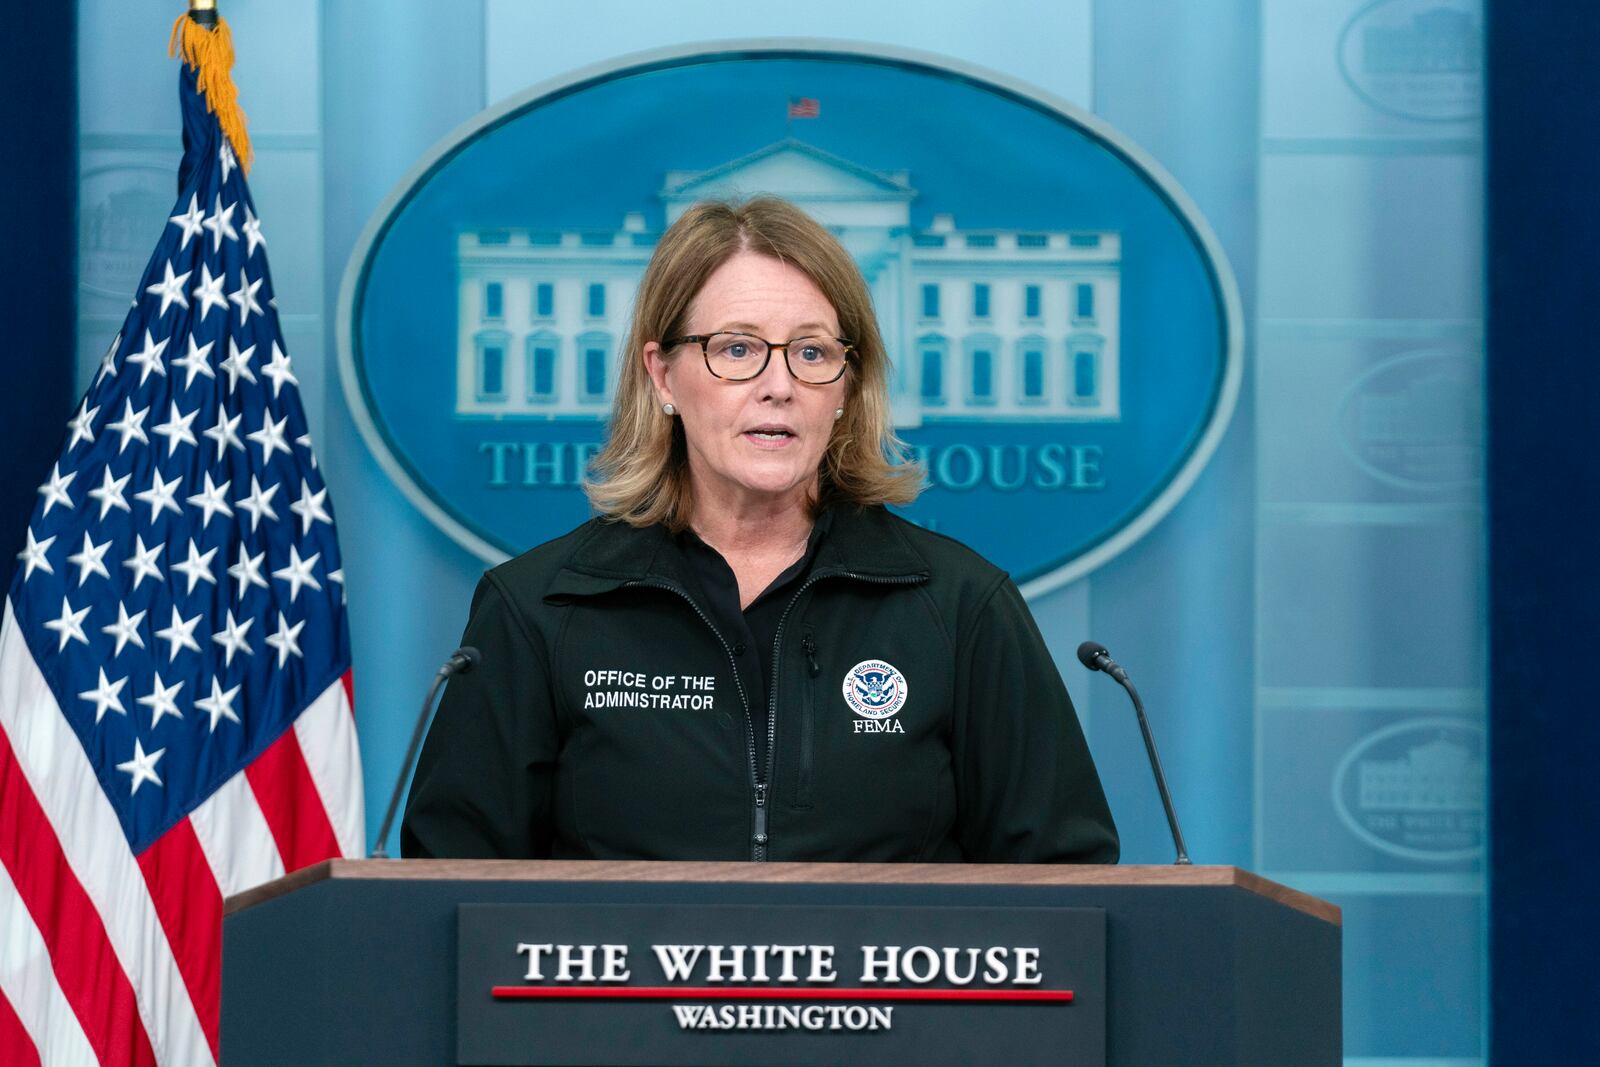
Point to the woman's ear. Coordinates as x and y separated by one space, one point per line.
656 365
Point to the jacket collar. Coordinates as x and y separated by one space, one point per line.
862 542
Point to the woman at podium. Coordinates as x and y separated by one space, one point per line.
746 655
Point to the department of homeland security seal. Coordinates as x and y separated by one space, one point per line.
875 689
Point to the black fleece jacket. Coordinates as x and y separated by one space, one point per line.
914 714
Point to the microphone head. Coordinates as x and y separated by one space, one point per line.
1092 653
468 658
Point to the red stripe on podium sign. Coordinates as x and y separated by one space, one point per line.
545 992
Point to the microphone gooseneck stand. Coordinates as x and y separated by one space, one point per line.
1094 656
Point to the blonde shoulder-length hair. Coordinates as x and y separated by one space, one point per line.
641 477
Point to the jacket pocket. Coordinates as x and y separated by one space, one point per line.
803 792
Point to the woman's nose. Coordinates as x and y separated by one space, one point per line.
776 379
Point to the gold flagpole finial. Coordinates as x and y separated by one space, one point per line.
203 12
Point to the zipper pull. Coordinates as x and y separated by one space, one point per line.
761 814
811 654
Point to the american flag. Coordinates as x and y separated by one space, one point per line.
175 704
805 108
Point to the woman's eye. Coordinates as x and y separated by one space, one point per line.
736 350
811 354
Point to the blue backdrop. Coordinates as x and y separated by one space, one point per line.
1308 625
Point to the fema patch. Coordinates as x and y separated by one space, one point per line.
875 689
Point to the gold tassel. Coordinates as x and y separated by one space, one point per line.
210 53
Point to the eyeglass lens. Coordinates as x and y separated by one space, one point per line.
736 356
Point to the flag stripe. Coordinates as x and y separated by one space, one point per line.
236 839
289 800
327 732
86 968
15 1043
46 1025
189 906
95 849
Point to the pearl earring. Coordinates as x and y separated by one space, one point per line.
669 409
838 413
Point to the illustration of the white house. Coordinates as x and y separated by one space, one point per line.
1437 41
1438 776
980 324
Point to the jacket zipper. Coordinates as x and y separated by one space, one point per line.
758 844
772 697
758 780
808 725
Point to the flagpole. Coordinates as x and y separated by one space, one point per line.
203 13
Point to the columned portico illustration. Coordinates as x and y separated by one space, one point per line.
990 324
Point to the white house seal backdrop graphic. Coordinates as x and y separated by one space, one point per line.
1063 327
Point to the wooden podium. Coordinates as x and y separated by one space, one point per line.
361 961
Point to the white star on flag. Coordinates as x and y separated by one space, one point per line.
197 568
179 635
245 297
33 556
82 425
195 362
252 232
258 503
226 433
233 637
143 562
90 559
176 429
160 701
285 639
298 572
131 426
189 221
226 161
209 293
278 370
105 696
161 496
220 224
142 766
211 501
219 705
309 507
69 625
247 571
148 358
270 437
54 491
125 629
170 289
238 365
110 492
108 362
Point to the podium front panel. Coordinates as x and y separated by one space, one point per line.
365 970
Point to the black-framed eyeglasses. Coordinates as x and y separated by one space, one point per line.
738 357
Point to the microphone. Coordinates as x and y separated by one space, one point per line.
1093 655
461 661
